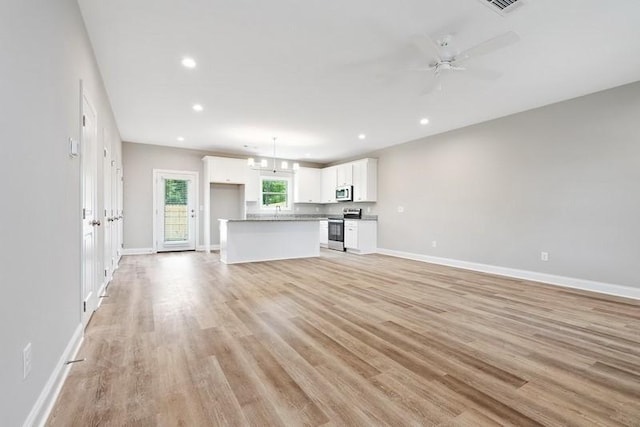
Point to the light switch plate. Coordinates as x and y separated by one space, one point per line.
74 148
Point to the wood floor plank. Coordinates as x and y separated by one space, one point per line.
346 340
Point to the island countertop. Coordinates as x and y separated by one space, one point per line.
271 219
292 218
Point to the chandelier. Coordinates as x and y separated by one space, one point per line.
264 163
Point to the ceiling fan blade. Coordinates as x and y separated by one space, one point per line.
428 68
427 46
488 46
431 85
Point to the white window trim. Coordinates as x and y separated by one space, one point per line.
289 192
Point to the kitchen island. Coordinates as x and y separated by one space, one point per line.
251 240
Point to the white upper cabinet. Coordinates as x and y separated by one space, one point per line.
227 170
362 174
252 187
344 174
365 180
307 186
329 184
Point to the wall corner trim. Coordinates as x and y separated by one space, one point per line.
550 279
49 394
137 251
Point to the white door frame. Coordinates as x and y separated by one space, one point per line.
156 176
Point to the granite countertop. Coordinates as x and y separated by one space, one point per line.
285 217
270 218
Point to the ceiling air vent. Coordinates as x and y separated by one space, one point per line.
503 6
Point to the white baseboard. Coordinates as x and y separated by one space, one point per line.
102 291
43 406
569 282
137 251
148 251
201 248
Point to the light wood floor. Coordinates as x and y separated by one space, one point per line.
184 340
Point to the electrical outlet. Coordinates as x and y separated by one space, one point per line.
434 244
297 208
400 209
544 256
26 361
317 209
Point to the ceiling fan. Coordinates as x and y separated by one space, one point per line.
443 58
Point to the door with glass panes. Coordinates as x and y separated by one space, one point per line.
175 225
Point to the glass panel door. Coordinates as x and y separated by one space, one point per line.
175 212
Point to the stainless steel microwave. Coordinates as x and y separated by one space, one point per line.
344 193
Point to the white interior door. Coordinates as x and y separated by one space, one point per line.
90 220
120 215
175 212
115 224
108 217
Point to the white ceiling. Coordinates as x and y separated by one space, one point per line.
316 74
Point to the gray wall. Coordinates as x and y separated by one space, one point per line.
139 161
226 202
563 179
45 52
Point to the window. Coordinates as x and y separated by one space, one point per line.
176 206
275 192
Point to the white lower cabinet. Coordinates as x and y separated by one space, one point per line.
324 233
360 236
351 234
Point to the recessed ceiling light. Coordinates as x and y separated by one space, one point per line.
180 138
362 136
188 62
197 107
424 121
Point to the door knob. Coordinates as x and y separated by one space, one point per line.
95 222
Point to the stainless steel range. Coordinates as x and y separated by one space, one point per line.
336 228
